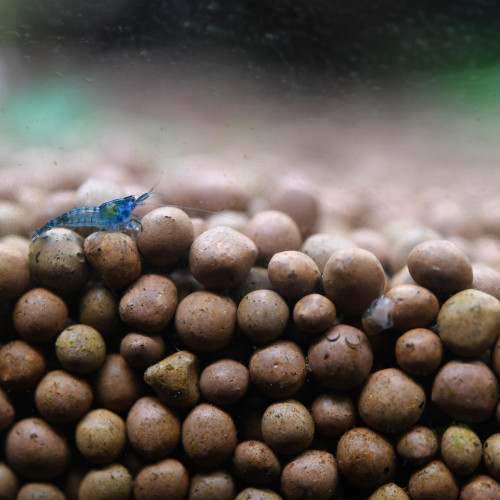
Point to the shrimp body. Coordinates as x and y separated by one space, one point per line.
110 216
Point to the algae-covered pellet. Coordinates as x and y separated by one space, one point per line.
100 436
80 349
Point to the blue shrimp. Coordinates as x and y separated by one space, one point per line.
112 215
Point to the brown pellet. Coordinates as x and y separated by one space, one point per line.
99 309
36 450
352 279
365 458
262 315
272 232
140 350
40 315
57 260
314 313
279 369
208 435
149 303
224 382
62 398
221 257
167 232
256 463
15 276
152 429
341 358
205 321
21 366
165 479
115 257
440 266
116 386
293 274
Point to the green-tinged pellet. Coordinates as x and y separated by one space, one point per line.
175 379
80 349
100 436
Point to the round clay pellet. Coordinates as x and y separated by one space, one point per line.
466 391
373 241
365 458
115 257
301 205
418 445
390 401
175 379
7 412
389 491
469 322
255 463
15 276
314 313
116 385
99 309
486 279
333 414
341 358
62 398
39 491
293 274
165 479
262 315
221 257
205 321
414 307
313 473
100 436
149 303
80 349
252 493
321 246
403 237
434 480
419 351
256 279
224 382
39 315
461 449
217 485
440 266
278 370
208 435
113 482
273 231
140 350
481 487
491 455
36 450
57 260
288 427
352 279
9 485
166 234
152 429
21 366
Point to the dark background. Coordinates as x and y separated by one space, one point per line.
334 39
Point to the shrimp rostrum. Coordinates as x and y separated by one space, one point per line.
113 215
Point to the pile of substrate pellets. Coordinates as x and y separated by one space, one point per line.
248 356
